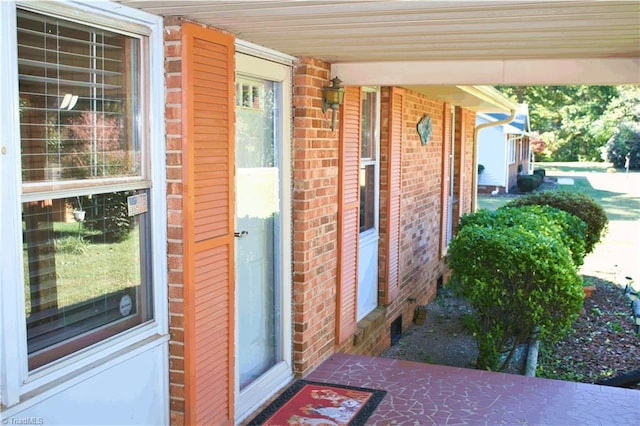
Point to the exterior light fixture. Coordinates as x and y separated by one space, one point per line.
332 97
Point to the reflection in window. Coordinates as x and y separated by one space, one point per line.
86 254
255 129
369 125
82 260
368 160
367 197
78 97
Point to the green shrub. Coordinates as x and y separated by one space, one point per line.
72 245
569 228
541 172
109 213
526 183
515 270
578 204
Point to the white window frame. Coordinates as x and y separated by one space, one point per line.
15 379
511 147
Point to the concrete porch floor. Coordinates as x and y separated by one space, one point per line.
424 394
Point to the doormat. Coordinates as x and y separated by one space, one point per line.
314 403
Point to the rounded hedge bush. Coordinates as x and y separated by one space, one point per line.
527 183
569 228
577 204
515 270
541 172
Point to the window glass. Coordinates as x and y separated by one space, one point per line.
367 197
368 160
86 254
368 125
512 150
78 98
83 271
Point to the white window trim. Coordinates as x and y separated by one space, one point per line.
16 382
511 149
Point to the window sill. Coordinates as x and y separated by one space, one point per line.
369 324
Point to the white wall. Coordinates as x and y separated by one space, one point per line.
492 154
130 392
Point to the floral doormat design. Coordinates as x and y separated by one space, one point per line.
312 403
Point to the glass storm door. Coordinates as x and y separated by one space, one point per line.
262 235
369 198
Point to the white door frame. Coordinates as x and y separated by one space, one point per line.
255 394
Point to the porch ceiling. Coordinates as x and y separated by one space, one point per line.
438 42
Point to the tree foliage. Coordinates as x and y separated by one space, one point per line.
577 121
626 142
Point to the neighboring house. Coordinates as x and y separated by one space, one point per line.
504 151
183 233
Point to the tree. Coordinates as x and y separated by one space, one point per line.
566 117
622 120
626 142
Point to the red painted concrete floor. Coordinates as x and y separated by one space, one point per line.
423 394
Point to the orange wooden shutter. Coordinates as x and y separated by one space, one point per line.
446 177
208 208
394 185
461 166
348 215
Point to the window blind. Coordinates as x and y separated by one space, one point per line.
78 97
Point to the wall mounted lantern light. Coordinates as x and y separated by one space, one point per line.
332 97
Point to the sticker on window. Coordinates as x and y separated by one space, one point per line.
137 204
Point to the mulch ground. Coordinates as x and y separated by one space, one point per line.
603 342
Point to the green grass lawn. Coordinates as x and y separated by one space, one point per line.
613 191
492 203
87 268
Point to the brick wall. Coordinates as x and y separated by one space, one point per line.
315 207
172 50
420 264
315 228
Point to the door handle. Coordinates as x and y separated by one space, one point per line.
241 234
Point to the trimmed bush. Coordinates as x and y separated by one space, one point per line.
527 183
570 229
578 204
515 270
541 172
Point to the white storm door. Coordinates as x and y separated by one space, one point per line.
262 249
369 202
